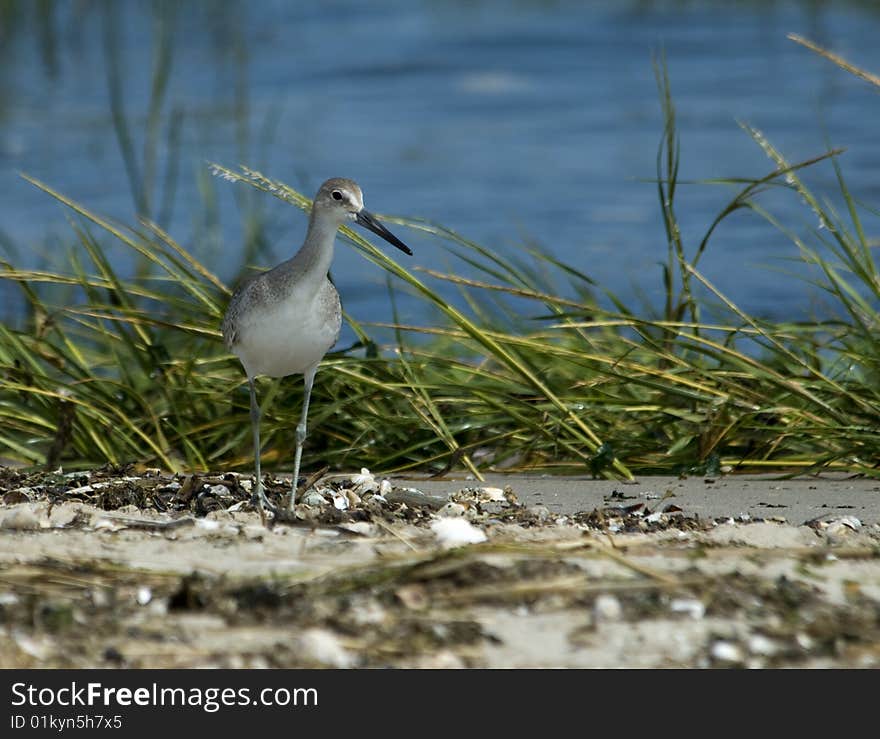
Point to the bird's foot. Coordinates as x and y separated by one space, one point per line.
262 503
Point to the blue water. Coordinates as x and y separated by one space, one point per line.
511 122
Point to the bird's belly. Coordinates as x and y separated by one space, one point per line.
284 340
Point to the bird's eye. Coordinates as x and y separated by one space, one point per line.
336 195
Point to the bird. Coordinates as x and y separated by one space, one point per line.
283 321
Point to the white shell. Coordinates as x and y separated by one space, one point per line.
313 498
456 532
607 608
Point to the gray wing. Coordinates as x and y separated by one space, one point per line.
229 327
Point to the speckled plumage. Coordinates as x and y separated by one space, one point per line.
274 330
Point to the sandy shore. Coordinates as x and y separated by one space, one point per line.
153 571
797 500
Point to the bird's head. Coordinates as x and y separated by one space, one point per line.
342 198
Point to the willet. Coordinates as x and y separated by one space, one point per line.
283 322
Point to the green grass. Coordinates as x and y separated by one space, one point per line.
110 369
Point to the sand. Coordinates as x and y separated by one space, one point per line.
562 572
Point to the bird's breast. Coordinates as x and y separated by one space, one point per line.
289 335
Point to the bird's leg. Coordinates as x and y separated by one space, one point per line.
259 497
308 380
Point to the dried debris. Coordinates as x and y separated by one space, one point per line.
364 573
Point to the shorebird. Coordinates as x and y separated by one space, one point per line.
283 321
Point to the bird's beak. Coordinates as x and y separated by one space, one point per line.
368 220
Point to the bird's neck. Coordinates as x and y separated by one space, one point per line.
316 253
